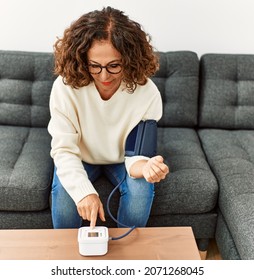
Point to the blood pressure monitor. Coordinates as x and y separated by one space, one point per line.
93 242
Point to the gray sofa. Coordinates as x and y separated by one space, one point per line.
206 136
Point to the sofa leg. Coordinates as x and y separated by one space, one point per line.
203 244
203 255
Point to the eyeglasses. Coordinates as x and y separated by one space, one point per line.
112 68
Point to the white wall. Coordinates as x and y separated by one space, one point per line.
199 25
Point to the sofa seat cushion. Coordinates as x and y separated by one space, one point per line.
231 156
191 187
26 168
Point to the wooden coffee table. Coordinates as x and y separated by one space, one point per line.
161 243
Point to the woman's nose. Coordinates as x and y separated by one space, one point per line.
104 74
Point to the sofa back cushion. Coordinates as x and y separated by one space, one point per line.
227 91
178 81
26 79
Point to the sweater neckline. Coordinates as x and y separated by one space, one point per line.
112 98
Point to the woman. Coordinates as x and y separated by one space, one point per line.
103 90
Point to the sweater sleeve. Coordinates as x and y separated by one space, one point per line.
64 147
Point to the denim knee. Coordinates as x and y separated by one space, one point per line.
135 202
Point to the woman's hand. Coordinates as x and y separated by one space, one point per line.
89 208
153 170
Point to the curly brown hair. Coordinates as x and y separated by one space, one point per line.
139 61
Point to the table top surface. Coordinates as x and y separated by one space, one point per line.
151 243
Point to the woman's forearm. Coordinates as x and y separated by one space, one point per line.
136 170
153 170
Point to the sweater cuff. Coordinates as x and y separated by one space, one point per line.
129 161
82 191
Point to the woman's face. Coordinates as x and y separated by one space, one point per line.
102 53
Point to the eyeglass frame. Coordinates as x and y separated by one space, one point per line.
104 67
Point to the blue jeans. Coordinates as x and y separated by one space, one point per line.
136 197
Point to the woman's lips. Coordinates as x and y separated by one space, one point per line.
106 83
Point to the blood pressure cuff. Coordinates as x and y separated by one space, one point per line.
142 140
